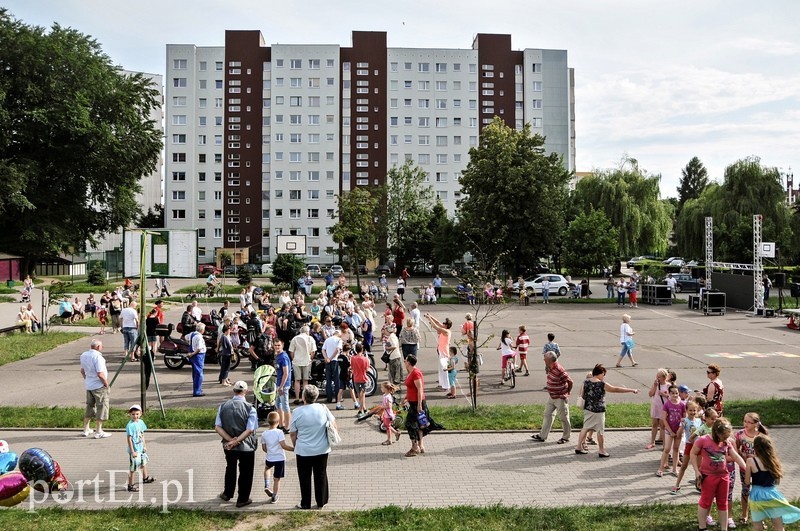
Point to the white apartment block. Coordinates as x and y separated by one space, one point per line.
260 140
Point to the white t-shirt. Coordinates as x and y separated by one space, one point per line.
128 318
506 348
415 314
332 347
671 282
625 331
272 440
301 347
197 342
93 362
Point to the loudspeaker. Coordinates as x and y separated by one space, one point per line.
779 281
795 289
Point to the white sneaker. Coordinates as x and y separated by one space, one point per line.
710 521
356 406
102 435
731 523
88 433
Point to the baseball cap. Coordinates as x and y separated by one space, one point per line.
684 388
135 407
240 385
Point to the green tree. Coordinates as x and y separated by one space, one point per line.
355 229
75 139
694 179
629 197
286 268
153 219
591 242
445 244
409 202
515 195
748 188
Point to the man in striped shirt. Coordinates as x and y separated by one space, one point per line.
523 342
559 386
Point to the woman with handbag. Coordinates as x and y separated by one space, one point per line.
626 340
308 430
418 420
442 347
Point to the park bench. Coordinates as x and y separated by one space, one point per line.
12 328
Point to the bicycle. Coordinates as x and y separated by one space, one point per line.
510 373
215 291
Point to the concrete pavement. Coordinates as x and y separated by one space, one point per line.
760 358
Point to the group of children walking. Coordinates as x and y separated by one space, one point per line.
713 450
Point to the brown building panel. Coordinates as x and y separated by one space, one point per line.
245 55
495 50
368 47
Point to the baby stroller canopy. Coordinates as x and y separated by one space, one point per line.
264 385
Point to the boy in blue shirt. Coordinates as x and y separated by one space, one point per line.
137 449
283 375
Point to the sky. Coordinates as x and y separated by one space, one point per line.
660 82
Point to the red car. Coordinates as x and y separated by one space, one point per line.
207 269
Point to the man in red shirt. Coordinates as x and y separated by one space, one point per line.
359 364
559 386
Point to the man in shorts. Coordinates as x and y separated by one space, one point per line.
301 349
95 378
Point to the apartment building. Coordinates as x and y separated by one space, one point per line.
261 139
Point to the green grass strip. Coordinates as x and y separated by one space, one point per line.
20 346
655 517
488 417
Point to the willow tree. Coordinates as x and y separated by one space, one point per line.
630 199
515 195
748 188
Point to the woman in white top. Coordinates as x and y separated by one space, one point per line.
626 339
506 352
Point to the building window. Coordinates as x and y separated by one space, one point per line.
179 176
178 195
179 82
313 194
536 122
179 214
178 139
537 104
294 195
294 213
537 86
179 157
295 64
313 64
313 213
179 119
424 67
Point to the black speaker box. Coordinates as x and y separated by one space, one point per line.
779 281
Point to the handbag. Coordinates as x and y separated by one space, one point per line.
630 343
385 357
422 419
443 363
333 435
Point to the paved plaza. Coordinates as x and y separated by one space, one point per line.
760 358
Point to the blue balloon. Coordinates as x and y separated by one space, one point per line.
37 465
8 462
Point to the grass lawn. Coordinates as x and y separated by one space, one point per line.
656 517
17 346
489 417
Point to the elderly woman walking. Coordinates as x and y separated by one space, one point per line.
626 340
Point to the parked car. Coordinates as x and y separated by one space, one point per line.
266 269
383 269
678 262
421 269
633 261
336 270
445 270
361 268
314 270
558 284
685 283
206 269
670 259
229 269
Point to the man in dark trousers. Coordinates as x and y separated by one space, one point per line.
236 423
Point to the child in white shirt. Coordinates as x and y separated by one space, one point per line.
273 442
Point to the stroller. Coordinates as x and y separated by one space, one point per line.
265 390
26 295
575 292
